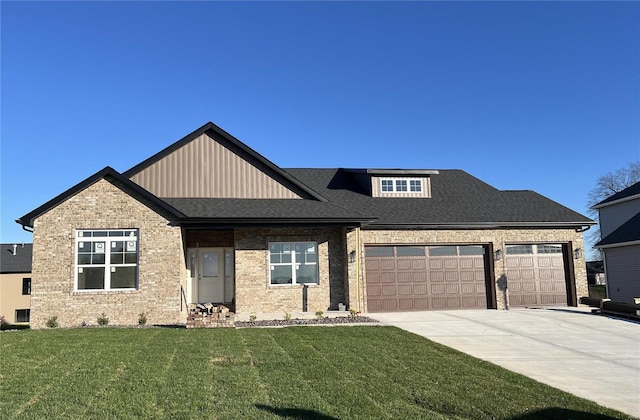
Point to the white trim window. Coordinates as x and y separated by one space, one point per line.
293 263
106 259
401 185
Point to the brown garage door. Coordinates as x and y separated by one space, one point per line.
536 275
405 278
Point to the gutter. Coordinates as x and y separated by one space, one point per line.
481 225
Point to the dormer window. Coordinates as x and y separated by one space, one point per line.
401 185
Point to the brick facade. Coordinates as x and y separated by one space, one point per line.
162 268
498 238
255 295
105 205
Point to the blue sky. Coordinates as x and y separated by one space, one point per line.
524 95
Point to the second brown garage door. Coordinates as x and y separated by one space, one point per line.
405 278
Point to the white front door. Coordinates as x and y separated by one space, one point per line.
211 273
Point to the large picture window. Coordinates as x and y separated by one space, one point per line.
107 259
293 262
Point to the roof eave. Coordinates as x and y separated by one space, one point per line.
616 244
273 221
479 225
614 202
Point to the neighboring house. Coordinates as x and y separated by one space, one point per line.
620 243
208 219
15 282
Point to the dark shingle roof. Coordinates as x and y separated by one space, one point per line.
627 192
628 232
458 199
264 210
19 263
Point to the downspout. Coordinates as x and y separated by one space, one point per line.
358 306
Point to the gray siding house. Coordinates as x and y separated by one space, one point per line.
620 244
208 219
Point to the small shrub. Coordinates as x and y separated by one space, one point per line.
319 314
142 319
2 320
353 313
52 322
252 319
287 316
84 324
103 320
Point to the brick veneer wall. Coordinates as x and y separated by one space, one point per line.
497 237
104 205
255 295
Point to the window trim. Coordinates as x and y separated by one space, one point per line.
293 263
396 183
107 265
27 312
26 281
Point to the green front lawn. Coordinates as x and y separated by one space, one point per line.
299 372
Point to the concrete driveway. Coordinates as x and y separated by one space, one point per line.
591 356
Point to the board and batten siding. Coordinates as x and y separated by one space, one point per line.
203 168
623 273
614 216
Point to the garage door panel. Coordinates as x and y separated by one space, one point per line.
405 304
452 289
420 289
438 289
450 263
418 264
374 291
389 305
405 289
468 276
436 263
466 263
419 276
372 264
388 277
387 264
420 303
451 276
468 288
436 276
388 290
404 277
404 264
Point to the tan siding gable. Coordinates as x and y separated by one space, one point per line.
204 168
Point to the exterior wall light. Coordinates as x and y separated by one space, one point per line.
577 253
498 254
352 256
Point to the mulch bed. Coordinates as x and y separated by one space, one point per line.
341 320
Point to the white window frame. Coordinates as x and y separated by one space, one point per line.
128 235
294 264
396 185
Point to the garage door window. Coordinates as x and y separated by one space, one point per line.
549 249
519 249
410 251
471 250
442 251
378 251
